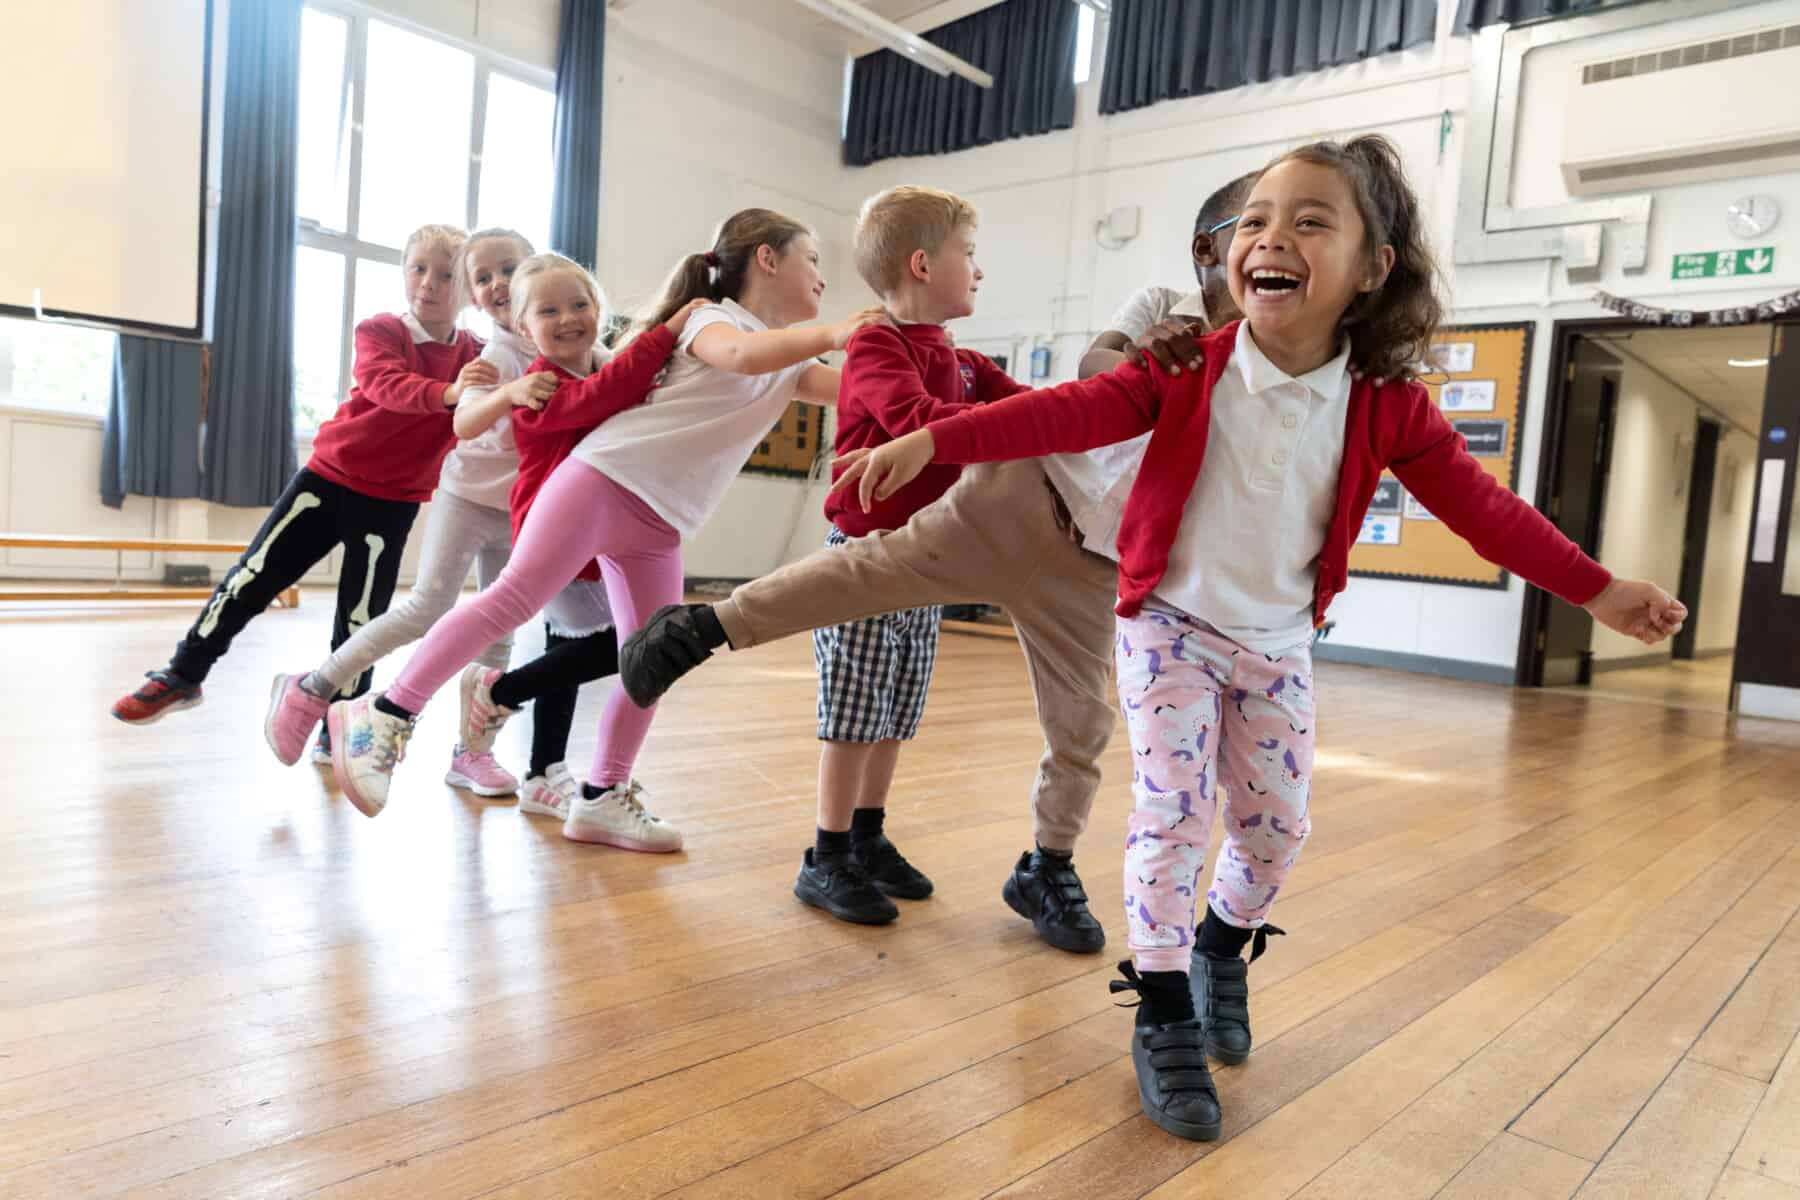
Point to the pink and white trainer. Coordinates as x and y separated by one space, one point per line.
293 714
480 773
481 717
551 794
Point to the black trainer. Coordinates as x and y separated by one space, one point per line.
1046 891
1221 990
888 869
668 646
843 890
1175 1088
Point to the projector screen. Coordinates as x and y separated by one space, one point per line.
102 211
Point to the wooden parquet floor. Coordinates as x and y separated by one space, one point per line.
1541 945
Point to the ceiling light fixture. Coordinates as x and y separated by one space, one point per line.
1747 362
876 28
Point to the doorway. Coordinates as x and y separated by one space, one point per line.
1650 457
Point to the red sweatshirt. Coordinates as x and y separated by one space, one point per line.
389 439
1394 427
897 380
545 437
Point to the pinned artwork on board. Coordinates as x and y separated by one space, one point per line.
1379 530
1476 376
1467 395
1453 358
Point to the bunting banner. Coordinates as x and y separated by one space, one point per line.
1747 314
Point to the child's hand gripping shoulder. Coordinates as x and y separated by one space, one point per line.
679 321
887 468
476 373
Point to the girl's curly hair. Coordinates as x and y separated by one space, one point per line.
1390 328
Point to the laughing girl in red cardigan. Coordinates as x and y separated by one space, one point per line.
1235 539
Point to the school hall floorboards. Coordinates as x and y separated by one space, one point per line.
1541 945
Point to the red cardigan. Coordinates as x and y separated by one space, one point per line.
896 380
547 436
1394 427
389 439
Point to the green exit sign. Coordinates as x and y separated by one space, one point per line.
1720 263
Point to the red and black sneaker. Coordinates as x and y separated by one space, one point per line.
164 692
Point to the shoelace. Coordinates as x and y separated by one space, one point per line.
632 800
1259 941
390 751
1177 1052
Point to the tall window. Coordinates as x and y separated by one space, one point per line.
397 130
64 368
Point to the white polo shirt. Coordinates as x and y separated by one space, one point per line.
1246 559
1094 484
681 448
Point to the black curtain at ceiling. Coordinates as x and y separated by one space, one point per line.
1473 14
580 76
1166 49
898 108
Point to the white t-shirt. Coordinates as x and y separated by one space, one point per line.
1095 484
681 448
481 469
1246 559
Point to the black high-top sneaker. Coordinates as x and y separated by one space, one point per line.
1174 1086
1221 989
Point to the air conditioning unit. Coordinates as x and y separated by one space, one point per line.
1712 109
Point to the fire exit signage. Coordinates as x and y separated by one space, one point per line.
1759 260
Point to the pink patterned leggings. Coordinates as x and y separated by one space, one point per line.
1206 713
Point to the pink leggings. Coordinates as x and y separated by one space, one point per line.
579 515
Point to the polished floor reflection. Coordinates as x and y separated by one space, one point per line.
1540 944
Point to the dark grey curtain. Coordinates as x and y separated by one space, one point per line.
151 442
1165 49
250 396
580 74
1473 14
898 108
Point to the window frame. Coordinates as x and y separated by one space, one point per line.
347 243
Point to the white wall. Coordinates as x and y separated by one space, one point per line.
1727 542
704 113
1647 492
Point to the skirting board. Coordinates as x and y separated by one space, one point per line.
1418 664
1631 662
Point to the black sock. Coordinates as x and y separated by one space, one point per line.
1059 856
552 713
1220 939
1166 998
706 624
831 845
865 824
383 704
590 792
